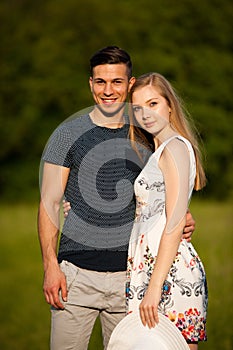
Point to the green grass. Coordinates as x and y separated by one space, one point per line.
25 316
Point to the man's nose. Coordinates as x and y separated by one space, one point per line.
108 89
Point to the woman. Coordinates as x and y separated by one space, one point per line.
165 273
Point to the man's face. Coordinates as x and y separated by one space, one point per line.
110 86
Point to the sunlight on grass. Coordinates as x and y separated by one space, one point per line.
25 316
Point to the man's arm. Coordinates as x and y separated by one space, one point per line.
53 185
188 229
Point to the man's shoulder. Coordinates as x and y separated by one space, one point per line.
76 120
74 126
64 138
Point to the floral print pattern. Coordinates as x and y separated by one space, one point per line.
191 322
184 296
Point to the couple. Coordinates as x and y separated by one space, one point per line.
94 160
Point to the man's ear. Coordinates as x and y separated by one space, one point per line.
90 83
131 82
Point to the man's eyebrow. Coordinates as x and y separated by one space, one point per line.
114 79
95 79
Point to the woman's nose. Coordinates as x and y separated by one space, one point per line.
145 114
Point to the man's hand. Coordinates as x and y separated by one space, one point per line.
55 281
189 227
66 207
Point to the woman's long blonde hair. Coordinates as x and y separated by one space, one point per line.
178 120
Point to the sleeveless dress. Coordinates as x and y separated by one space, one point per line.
184 295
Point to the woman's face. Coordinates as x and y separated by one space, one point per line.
150 109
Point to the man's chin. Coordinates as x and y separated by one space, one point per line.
111 109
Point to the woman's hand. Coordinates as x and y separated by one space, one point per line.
149 307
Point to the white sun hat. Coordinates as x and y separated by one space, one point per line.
130 334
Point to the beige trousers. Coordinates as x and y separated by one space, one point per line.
90 294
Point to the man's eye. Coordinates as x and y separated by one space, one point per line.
117 82
99 82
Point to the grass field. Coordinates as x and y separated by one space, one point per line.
25 317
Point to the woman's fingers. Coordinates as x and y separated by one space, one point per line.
149 315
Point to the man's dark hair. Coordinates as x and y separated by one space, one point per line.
111 55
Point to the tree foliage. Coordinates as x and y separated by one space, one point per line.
44 57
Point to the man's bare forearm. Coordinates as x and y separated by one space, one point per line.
48 231
52 190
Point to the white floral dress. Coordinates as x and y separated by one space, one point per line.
184 295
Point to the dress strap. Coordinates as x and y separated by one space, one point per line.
164 144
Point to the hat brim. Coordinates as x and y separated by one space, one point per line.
130 334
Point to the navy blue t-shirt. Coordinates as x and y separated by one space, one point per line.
103 167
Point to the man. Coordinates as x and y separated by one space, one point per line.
89 159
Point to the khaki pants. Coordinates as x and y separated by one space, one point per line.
90 294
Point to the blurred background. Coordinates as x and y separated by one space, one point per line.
44 70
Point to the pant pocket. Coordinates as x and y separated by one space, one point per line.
70 271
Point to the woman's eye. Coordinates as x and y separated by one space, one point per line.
153 104
137 109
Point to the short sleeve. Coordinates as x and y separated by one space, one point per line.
58 148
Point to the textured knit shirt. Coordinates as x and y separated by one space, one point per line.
103 167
